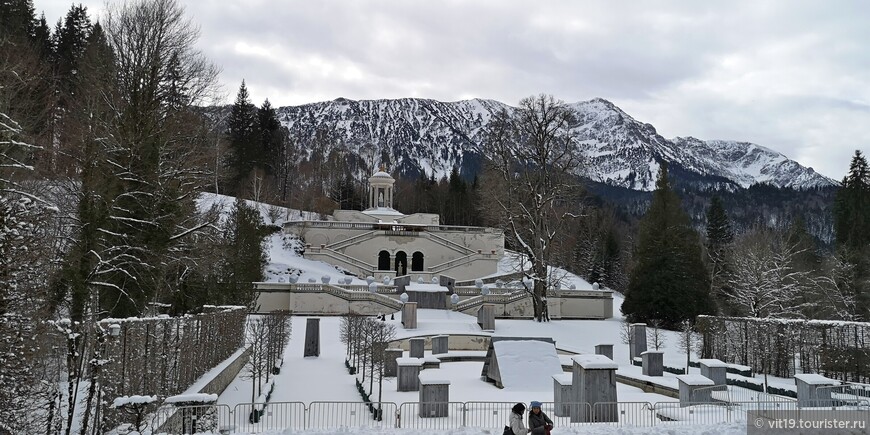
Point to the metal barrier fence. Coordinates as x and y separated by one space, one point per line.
248 418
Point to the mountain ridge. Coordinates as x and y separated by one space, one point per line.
417 137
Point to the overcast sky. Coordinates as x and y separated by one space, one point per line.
791 75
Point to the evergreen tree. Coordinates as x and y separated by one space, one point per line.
71 39
669 281
852 206
852 229
17 19
720 236
244 255
244 140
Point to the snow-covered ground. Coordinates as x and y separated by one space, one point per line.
326 379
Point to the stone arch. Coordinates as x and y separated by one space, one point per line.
417 262
383 260
401 263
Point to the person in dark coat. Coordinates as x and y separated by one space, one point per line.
539 423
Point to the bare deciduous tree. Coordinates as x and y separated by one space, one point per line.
531 182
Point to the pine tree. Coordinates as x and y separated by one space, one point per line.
244 254
17 19
669 281
852 206
244 140
852 229
720 236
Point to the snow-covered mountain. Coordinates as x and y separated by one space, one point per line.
420 136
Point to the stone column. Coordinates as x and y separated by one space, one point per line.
694 388
593 381
390 356
653 363
638 340
562 395
417 346
439 344
434 394
408 373
409 315
604 349
810 393
486 317
715 370
312 338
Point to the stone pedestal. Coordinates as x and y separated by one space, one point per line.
604 349
813 390
439 344
409 315
434 394
637 333
562 394
390 356
312 338
694 389
715 370
593 381
486 317
407 378
417 346
653 363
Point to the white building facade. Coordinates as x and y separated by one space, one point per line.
382 241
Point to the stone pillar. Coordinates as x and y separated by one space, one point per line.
593 380
434 394
312 338
604 349
409 315
417 346
810 392
562 394
715 370
637 334
486 317
407 378
439 344
390 356
694 388
653 363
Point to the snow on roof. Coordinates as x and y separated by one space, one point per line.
381 174
430 288
434 377
564 378
595 362
527 364
695 379
712 363
409 361
383 211
192 398
133 400
815 379
652 351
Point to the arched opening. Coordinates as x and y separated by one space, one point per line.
417 262
401 263
383 260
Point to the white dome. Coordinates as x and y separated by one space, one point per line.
381 174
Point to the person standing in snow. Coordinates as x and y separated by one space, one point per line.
539 423
516 419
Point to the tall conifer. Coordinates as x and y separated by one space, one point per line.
669 281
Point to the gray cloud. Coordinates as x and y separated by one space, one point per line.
791 75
